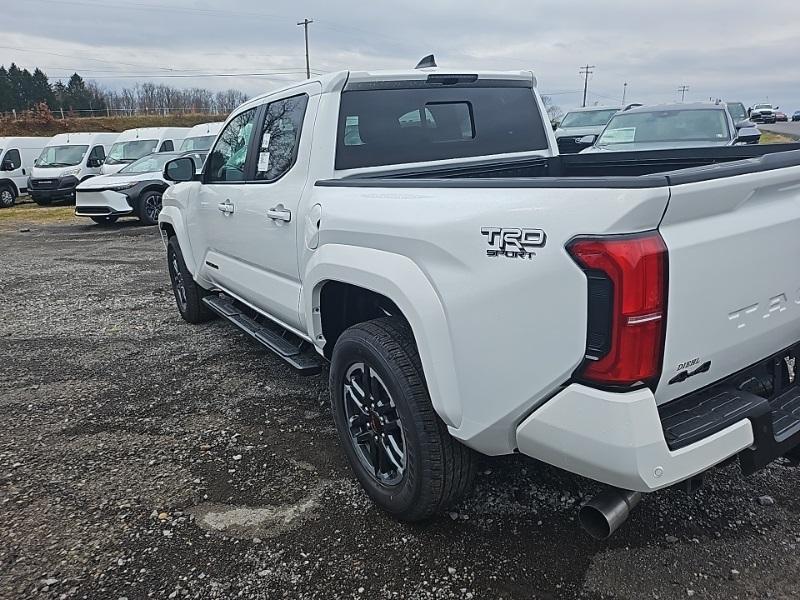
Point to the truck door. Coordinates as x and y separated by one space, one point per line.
253 243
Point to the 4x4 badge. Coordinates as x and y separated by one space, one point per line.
512 242
790 367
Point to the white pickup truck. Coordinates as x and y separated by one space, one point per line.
630 317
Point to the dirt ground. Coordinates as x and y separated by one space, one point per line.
141 457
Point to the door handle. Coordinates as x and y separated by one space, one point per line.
278 213
225 207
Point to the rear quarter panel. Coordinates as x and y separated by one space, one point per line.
497 335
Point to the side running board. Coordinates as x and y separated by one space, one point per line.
294 350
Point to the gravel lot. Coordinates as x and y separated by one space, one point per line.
141 457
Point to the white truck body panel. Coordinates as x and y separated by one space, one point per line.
733 246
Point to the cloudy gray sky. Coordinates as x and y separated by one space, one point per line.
713 46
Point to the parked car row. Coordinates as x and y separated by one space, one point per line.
51 169
638 127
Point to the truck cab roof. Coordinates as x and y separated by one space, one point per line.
336 82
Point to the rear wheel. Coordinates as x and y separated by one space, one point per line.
188 295
104 220
149 207
398 447
8 195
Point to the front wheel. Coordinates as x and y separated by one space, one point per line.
188 295
8 196
398 447
149 207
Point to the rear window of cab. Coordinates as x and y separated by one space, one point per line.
401 125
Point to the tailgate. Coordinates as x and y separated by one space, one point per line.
734 276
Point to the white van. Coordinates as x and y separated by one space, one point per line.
68 159
17 155
133 144
200 137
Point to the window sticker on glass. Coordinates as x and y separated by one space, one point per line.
263 155
624 135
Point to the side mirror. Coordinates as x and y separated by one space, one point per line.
587 140
743 124
748 135
93 163
777 107
555 124
179 169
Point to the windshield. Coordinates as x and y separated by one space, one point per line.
588 118
197 143
152 163
666 126
61 156
125 152
763 106
737 111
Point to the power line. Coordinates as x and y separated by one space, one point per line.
305 23
586 71
111 62
683 89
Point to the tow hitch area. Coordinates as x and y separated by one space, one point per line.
767 393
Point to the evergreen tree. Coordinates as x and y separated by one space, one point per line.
6 91
42 92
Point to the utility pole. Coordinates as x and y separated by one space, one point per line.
683 89
624 92
586 71
305 23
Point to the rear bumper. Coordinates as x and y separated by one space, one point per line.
625 440
618 439
101 203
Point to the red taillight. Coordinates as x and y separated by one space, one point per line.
636 267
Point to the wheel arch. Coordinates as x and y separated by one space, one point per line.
345 285
171 223
6 181
152 187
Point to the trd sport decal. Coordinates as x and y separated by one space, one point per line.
512 242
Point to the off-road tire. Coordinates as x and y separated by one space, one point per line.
8 195
439 469
193 310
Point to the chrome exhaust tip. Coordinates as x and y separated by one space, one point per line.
603 514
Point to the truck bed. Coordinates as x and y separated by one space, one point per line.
654 168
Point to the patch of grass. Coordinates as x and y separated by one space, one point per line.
26 211
51 126
768 137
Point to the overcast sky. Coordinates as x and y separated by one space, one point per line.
713 46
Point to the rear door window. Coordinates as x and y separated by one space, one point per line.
283 121
423 123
